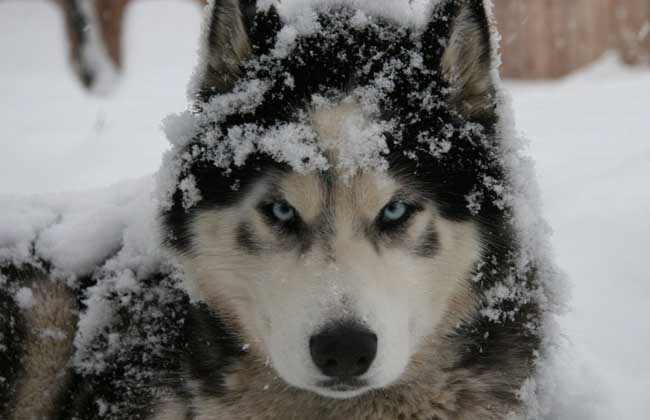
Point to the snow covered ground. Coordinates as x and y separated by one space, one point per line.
591 140
589 134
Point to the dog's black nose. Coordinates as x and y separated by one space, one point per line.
343 350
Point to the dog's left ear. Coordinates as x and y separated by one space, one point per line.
457 40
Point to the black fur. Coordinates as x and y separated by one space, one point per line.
211 347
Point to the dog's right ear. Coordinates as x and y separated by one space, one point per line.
225 45
458 43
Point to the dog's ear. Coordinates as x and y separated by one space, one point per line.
457 40
225 44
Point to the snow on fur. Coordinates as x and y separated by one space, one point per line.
291 143
300 13
105 245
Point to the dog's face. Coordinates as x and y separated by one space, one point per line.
340 278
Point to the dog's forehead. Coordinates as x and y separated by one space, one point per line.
368 189
331 123
311 193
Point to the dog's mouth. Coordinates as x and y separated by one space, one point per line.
343 385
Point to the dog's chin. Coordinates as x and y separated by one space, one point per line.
331 388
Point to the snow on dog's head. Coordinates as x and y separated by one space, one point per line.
338 193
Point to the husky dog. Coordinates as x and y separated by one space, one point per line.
335 295
341 220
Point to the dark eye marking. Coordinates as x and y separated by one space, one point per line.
429 242
246 239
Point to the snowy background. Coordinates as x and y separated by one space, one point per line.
590 137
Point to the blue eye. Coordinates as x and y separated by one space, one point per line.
395 211
283 212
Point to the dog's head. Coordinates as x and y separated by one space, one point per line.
340 266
